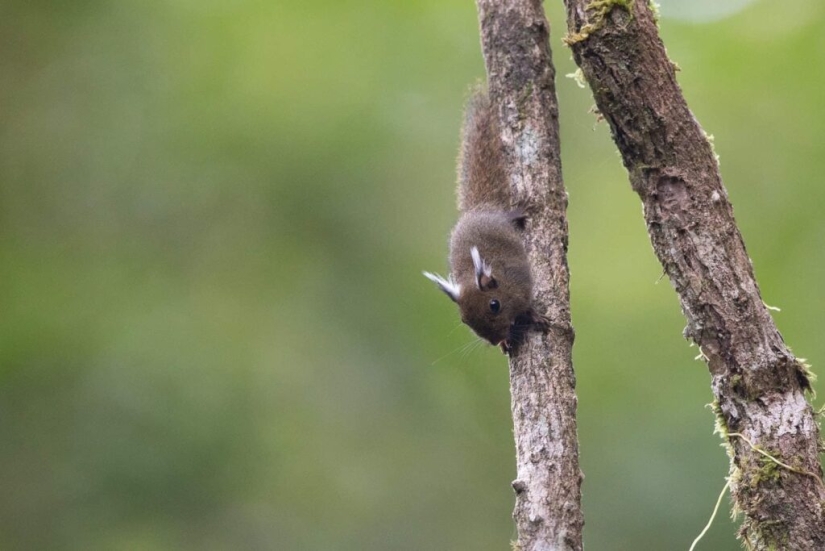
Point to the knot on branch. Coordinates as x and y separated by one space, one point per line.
597 12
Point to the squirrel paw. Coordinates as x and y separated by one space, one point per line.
539 322
518 331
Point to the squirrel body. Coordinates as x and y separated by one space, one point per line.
489 269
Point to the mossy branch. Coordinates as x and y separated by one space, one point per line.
759 386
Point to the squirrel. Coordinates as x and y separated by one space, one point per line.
489 270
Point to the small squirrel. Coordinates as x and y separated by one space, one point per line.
489 269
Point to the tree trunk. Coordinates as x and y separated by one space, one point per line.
514 36
758 384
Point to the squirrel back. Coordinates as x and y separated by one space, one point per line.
482 182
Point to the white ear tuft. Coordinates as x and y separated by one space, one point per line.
482 268
449 286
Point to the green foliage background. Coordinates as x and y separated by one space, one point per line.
215 334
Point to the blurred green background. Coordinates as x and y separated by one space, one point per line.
215 334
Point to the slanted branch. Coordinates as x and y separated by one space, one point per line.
758 384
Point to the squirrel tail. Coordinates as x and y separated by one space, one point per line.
482 182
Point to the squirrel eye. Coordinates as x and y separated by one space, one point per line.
495 306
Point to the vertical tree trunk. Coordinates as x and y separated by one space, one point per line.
757 382
515 41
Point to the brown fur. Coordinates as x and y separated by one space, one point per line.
490 224
499 243
482 183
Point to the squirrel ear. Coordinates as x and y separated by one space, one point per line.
486 283
449 286
484 272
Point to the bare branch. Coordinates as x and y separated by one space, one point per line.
757 382
548 514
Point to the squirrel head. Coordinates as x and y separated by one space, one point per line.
491 304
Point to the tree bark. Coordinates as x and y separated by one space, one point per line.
757 382
515 42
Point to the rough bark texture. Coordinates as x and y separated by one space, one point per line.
758 384
515 41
